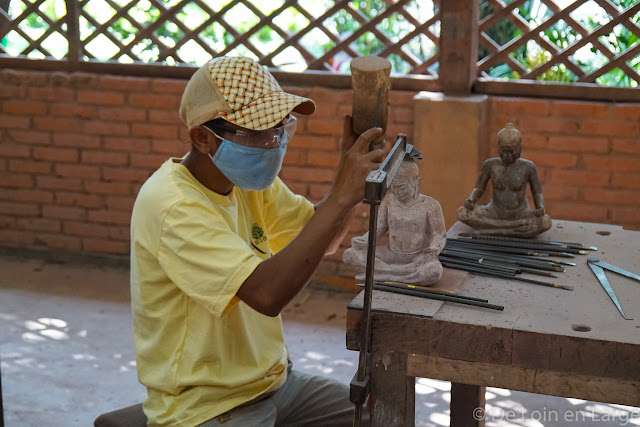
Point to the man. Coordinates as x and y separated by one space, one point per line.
220 246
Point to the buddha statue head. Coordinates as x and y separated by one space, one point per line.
509 144
405 186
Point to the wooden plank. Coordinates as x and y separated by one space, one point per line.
458 46
73 31
538 89
392 391
588 387
466 400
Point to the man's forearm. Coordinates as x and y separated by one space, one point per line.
275 282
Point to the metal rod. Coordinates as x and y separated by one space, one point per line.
534 241
504 270
430 291
529 246
511 250
500 257
520 279
447 298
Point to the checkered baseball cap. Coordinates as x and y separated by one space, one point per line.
241 91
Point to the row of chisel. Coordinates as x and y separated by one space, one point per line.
508 257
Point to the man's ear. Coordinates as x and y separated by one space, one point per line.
204 141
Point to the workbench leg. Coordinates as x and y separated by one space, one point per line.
393 393
465 401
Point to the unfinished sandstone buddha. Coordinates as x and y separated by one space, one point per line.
508 213
416 230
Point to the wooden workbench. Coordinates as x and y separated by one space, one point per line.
547 340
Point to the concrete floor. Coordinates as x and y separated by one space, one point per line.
67 351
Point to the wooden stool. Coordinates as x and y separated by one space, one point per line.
131 416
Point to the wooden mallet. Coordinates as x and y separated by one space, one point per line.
370 79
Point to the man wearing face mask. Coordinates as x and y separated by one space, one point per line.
220 245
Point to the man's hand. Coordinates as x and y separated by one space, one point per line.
357 161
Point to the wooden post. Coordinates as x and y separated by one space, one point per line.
73 31
370 77
393 393
467 405
458 45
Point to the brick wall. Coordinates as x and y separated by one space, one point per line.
587 154
76 147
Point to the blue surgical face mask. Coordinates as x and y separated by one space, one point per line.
250 168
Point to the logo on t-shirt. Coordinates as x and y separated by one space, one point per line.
257 236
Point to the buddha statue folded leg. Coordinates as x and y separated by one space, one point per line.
422 268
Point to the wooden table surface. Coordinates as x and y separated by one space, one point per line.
547 340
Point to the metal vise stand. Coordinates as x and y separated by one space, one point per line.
377 184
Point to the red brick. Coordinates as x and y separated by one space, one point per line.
51 94
30 137
12 92
586 110
120 203
322 95
397 115
301 188
106 128
556 160
560 193
627 146
76 140
580 178
627 111
14 122
16 180
30 166
327 110
97 97
331 160
609 128
53 183
37 196
154 130
295 157
110 158
626 217
56 124
324 143
72 109
626 180
576 211
533 141
124 84
55 154
39 224
165 116
153 161
149 100
17 237
7 221
125 174
124 114
14 150
82 79
120 233
318 191
111 188
59 241
168 86
110 217
612 163
521 106
579 144
83 200
135 145
400 97
322 127
63 212
292 173
28 108
84 229
77 171
612 197
171 147
104 246
21 209
549 125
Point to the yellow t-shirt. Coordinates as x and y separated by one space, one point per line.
200 350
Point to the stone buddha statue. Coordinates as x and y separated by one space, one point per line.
508 213
416 234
